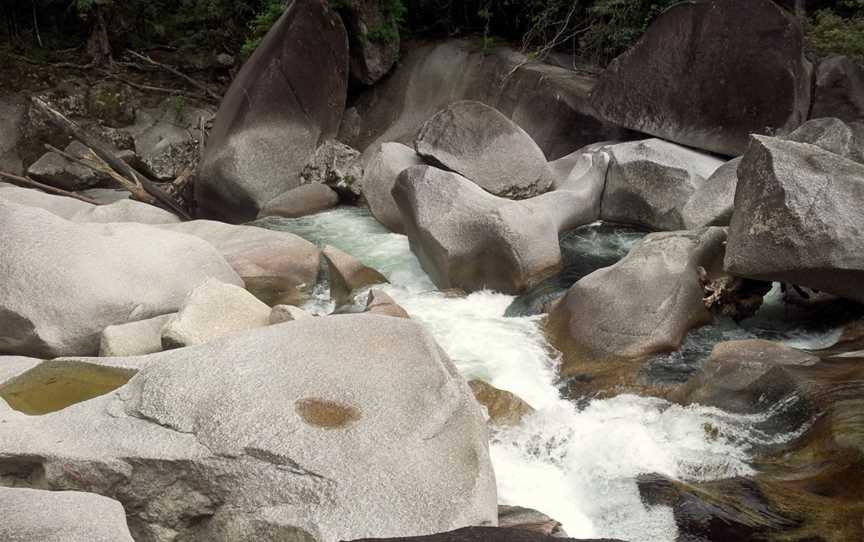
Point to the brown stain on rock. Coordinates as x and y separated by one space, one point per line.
326 414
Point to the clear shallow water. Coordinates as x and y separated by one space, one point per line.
576 464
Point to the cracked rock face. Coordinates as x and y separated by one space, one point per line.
267 435
483 145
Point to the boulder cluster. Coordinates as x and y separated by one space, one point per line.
159 381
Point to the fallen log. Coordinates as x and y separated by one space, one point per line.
118 165
28 182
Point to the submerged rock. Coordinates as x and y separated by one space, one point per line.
287 98
267 435
214 310
467 238
385 164
644 304
304 200
32 515
479 143
348 274
517 517
751 75
798 219
839 89
650 182
503 407
57 300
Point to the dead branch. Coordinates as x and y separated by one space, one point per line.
27 181
151 88
110 159
195 83
99 166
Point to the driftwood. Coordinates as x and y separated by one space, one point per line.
27 181
170 69
99 166
109 158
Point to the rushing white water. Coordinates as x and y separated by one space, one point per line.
575 464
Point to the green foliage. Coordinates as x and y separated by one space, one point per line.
261 24
828 33
394 15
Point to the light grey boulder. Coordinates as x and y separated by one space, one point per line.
13 114
338 166
579 182
124 210
644 304
467 238
32 515
650 181
832 135
278 267
12 366
287 313
55 170
384 165
84 277
301 201
287 99
214 310
479 143
105 196
348 274
366 431
713 202
133 339
798 218
839 89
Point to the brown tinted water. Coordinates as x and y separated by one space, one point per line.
50 387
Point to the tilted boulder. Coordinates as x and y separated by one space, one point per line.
268 435
385 164
713 202
798 218
304 200
467 238
649 183
32 515
287 99
503 407
644 304
379 302
277 266
751 75
135 338
348 274
479 143
124 210
839 90
214 310
549 102
57 300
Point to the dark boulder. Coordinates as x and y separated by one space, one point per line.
708 73
839 89
286 100
373 36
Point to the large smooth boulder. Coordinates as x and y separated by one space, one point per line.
644 304
481 144
550 103
649 183
708 73
84 277
287 98
268 435
32 515
276 266
214 310
839 89
798 218
467 238
135 338
385 164
124 210
713 202
301 201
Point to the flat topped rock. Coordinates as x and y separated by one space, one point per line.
486 147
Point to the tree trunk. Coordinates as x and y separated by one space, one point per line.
98 45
